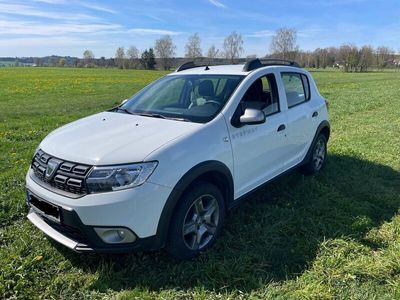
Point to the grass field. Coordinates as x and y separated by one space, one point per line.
336 235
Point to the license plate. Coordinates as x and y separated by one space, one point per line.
44 208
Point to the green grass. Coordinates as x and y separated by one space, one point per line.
336 235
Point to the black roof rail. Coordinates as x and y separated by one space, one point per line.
188 65
258 63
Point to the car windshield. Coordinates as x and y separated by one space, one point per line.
194 98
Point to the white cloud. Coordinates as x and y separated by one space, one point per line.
148 31
96 7
153 17
37 28
51 1
81 3
217 3
33 42
26 10
261 34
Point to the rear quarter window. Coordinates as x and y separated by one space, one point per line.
297 88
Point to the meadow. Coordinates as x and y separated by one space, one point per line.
335 235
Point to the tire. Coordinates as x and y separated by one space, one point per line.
197 221
317 158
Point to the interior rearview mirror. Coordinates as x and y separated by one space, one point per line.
252 116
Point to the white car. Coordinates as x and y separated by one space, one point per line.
162 169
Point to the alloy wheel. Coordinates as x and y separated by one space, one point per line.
319 154
200 223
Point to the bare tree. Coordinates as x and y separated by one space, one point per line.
284 43
354 58
88 57
120 57
133 56
193 49
212 53
233 46
345 54
320 58
350 57
165 50
366 58
332 55
382 56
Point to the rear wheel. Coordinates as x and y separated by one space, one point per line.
317 158
197 221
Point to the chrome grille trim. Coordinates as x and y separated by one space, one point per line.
68 177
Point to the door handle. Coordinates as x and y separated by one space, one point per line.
281 127
315 114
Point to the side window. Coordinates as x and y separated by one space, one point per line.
265 83
271 93
262 95
306 85
297 88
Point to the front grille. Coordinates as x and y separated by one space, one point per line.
63 175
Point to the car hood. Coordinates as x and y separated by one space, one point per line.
113 138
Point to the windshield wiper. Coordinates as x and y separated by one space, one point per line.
125 110
162 117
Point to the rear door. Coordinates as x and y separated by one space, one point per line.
300 129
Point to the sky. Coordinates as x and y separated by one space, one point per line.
68 27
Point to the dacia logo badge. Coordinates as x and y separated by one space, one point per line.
51 169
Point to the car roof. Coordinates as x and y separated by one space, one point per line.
214 70
190 68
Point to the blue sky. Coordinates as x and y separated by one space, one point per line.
68 27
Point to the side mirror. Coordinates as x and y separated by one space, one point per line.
252 116
124 101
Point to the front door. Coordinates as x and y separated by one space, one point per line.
259 150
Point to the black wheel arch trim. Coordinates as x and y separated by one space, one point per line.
324 124
183 184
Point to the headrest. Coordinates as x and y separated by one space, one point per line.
206 88
254 93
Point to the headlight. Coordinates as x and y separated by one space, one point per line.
114 178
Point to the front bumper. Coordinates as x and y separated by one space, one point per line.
82 238
137 209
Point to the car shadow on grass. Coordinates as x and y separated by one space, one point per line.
274 236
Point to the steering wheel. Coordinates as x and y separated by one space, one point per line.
213 101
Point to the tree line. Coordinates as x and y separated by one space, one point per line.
348 57
163 53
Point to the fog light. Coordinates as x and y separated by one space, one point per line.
121 234
115 235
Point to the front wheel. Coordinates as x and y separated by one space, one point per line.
317 158
197 221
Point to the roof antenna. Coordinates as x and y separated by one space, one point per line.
207 68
